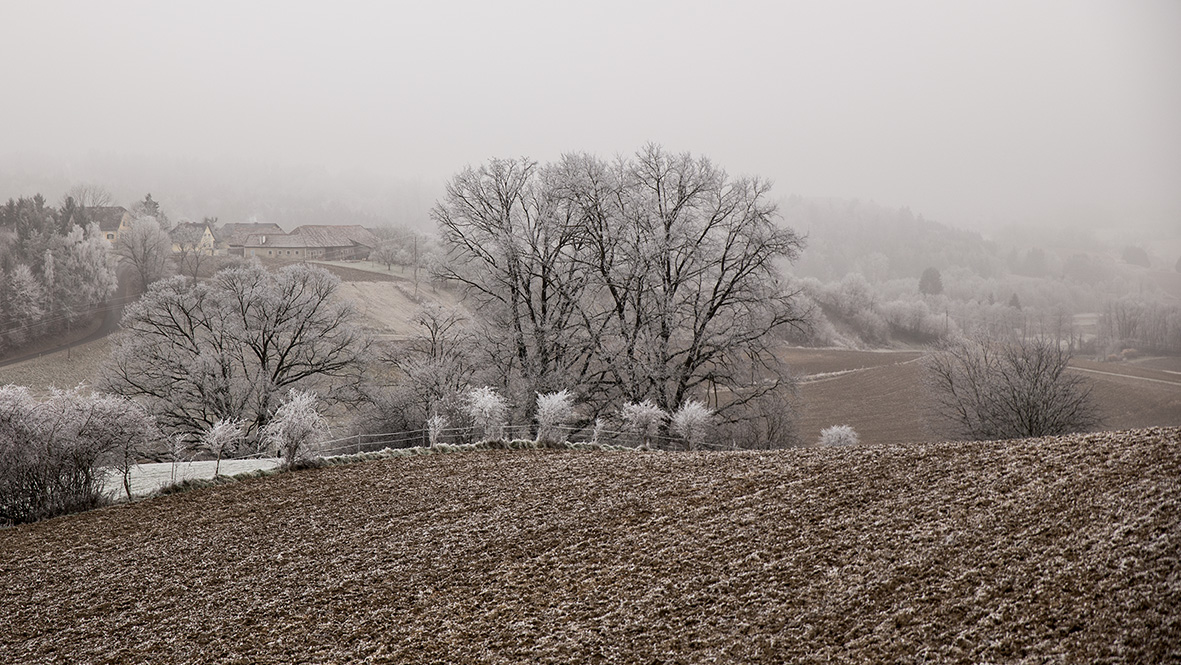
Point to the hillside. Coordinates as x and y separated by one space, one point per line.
1062 549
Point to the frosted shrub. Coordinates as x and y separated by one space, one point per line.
554 410
296 426
839 435
488 411
691 422
52 452
643 419
224 435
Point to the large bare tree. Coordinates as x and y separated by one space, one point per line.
651 277
226 349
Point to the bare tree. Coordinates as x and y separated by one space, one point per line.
191 253
227 348
89 195
647 278
1004 390
147 249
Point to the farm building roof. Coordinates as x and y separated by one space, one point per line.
108 218
236 233
324 235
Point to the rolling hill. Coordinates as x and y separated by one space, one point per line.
1056 549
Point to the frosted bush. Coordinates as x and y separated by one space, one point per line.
225 434
554 410
643 419
52 452
488 411
839 435
296 426
691 422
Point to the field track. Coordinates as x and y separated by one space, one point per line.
1062 549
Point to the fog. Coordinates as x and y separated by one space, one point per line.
977 115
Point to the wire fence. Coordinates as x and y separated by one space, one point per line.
361 443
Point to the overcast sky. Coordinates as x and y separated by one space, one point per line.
969 113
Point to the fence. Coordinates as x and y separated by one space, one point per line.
360 443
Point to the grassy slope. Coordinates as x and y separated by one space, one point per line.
883 396
1054 549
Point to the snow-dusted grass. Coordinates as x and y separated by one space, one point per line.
148 478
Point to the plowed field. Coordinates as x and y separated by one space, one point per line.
1060 549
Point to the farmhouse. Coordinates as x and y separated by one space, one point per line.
202 231
313 241
110 219
233 236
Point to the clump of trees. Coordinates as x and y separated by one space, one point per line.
228 348
1008 389
53 451
54 268
648 278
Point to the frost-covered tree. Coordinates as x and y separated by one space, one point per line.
24 302
488 412
223 436
121 426
436 364
839 435
554 411
146 249
436 424
643 419
229 347
85 276
692 421
297 426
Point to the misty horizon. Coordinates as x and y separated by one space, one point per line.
1056 114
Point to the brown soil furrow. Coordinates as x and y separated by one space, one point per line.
1062 548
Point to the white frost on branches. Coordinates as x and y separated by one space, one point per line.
839 435
224 435
691 422
297 425
488 411
643 419
554 411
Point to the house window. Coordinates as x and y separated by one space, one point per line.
110 236
268 252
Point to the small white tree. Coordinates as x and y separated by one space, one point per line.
488 411
435 426
296 426
224 435
554 410
597 432
839 435
691 422
643 419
